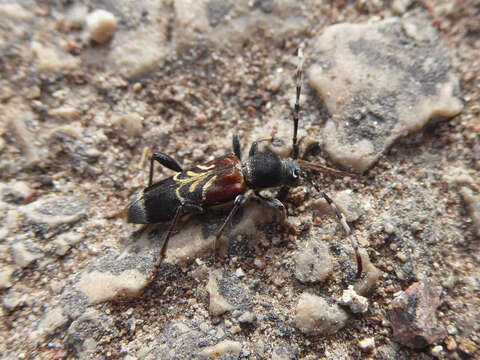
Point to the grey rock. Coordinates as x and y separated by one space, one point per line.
314 316
284 351
184 339
313 261
14 300
51 322
380 81
84 332
24 253
17 192
56 210
229 23
412 315
227 293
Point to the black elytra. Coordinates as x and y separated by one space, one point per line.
227 178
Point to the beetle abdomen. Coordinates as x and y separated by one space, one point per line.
157 203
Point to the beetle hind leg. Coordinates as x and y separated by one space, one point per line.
190 209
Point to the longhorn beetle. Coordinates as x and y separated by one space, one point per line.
228 178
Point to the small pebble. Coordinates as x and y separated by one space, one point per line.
22 256
101 25
239 273
367 344
313 261
6 277
247 318
437 351
99 286
198 154
452 330
259 263
222 349
132 123
413 315
450 343
314 316
356 303
389 228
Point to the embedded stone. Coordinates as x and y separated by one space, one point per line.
380 81
412 315
315 316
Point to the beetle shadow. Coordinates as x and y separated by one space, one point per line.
195 236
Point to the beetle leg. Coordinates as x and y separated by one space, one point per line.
274 204
239 201
165 242
254 148
343 221
166 161
184 207
282 193
237 149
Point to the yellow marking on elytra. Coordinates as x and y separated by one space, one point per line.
192 180
203 167
207 185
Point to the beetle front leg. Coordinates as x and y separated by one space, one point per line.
274 204
237 149
277 205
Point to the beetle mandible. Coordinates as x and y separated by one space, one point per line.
225 179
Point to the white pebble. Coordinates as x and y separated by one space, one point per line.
367 344
437 351
356 303
315 316
239 273
101 25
